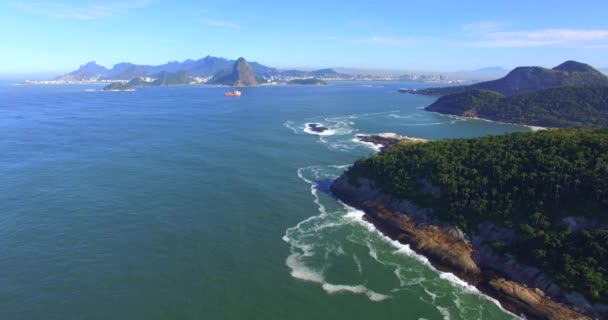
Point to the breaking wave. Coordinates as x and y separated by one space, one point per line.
340 236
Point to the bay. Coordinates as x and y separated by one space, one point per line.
179 203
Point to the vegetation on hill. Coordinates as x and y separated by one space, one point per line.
172 78
310 82
555 107
117 86
164 79
527 79
528 182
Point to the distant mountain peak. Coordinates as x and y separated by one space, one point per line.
242 75
575 66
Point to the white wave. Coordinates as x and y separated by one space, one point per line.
422 124
310 255
328 132
445 313
340 145
536 128
431 294
358 263
372 295
313 191
370 86
300 271
297 236
346 166
289 124
409 116
373 146
459 282
404 249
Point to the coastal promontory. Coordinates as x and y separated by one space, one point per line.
528 208
572 94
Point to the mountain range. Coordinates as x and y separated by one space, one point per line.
205 67
527 79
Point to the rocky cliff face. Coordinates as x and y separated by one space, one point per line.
442 243
243 74
448 248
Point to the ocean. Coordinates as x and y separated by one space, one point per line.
180 203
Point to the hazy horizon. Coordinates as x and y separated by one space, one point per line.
432 36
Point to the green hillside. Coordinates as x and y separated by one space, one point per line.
555 107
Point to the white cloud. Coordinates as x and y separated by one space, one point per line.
220 23
57 10
490 34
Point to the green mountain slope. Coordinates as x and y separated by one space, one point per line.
164 79
555 107
527 182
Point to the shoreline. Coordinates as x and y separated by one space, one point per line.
447 251
529 126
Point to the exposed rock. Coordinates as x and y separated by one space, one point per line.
448 248
386 140
316 127
241 75
534 301
436 242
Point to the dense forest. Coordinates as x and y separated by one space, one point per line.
529 182
555 107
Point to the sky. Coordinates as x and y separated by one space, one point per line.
47 36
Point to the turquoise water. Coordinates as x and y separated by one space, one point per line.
178 203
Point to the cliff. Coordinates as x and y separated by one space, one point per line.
241 75
529 207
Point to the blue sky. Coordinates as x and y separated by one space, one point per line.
59 35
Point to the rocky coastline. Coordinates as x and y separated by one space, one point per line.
385 141
520 289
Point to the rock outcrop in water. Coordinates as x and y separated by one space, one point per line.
118 86
316 127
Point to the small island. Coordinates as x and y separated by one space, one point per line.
316 127
308 82
118 86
